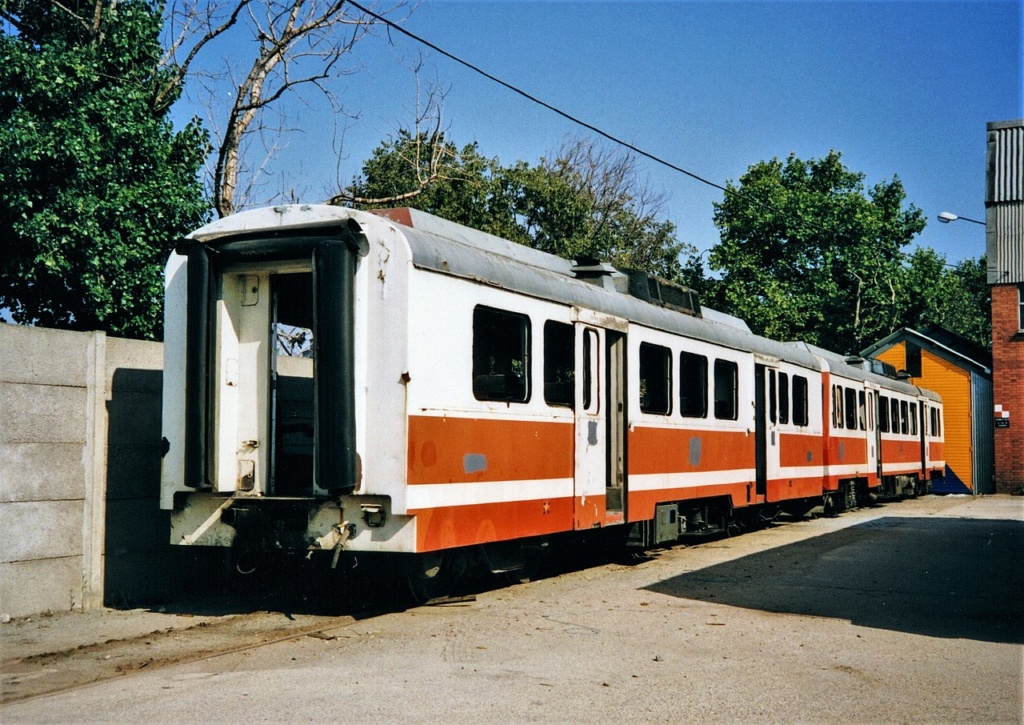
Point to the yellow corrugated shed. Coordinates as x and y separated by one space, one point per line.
954 385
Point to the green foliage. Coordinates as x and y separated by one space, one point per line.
95 184
580 204
955 298
808 253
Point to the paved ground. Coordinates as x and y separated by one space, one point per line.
911 612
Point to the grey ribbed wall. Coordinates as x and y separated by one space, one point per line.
1004 202
982 425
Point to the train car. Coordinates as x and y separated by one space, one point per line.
350 382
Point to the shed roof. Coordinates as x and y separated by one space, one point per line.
948 345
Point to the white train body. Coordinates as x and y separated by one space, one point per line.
462 390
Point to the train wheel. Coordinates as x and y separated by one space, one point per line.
434 574
429 577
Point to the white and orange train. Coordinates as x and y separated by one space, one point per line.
343 381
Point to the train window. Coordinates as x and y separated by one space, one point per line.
851 408
693 385
800 406
590 370
894 415
501 346
883 414
872 402
837 406
913 419
783 398
772 395
726 392
903 417
559 364
655 379
861 417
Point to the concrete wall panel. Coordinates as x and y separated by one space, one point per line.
40 530
41 471
38 356
42 414
43 585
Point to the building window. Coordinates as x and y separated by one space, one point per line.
726 390
914 360
693 385
501 345
1020 307
559 364
655 379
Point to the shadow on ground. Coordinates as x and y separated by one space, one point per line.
953 578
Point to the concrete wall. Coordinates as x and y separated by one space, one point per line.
80 523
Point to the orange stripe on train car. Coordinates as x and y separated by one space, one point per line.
847 450
450 526
683 450
901 451
472 450
798 450
641 503
793 488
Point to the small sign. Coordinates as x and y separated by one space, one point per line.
1002 422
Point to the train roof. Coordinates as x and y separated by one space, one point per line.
449 248
444 246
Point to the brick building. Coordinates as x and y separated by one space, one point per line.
1004 247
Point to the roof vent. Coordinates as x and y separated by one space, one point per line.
596 272
662 292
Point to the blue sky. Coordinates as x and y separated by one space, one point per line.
900 88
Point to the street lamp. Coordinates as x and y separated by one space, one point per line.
946 217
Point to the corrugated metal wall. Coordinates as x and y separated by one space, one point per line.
1004 202
984 444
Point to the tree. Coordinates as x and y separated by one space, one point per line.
583 202
95 184
297 44
808 253
955 298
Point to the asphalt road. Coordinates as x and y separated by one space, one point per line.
909 612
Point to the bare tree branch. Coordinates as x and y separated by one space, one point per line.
426 144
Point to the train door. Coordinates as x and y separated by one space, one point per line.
600 437
922 428
868 407
766 443
263 420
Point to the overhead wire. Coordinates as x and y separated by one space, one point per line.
554 109
573 119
